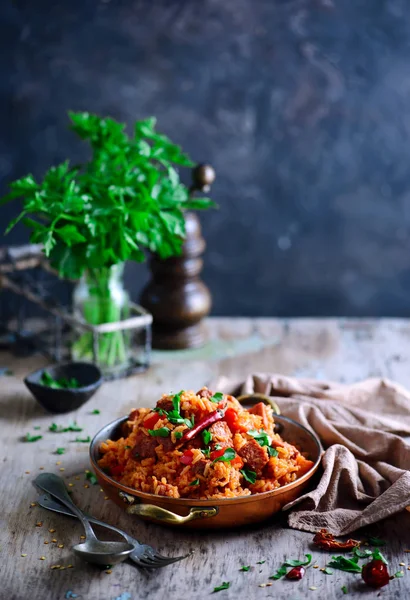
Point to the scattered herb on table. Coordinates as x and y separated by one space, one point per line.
365 553
59 384
59 429
194 482
375 541
227 456
83 440
377 555
399 574
37 427
327 571
161 432
260 436
248 475
91 477
224 586
60 451
344 589
279 573
216 398
32 438
350 565
298 563
272 451
95 411
244 568
261 562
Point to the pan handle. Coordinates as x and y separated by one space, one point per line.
150 511
255 398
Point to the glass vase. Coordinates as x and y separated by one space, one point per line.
100 298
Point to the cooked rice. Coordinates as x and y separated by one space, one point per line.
172 467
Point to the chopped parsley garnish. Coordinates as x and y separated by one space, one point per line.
91 477
206 452
160 411
127 447
260 436
178 435
176 402
59 429
399 574
344 589
327 571
279 573
60 451
375 541
84 440
249 476
206 436
194 482
345 564
37 427
216 398
96 411
225 585
261 562
59 384
377 555
245 568
272 451
32 438
227 456
161 432
218 446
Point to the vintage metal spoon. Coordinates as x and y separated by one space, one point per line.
92 550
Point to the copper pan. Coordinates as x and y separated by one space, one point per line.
229 512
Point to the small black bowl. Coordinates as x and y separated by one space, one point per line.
62 401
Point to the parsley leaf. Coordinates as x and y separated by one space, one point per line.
60 451
279 573
37 427
248 475
327 571
272 451
227 456
344 589
245 568
206 436
91 478
194 482
365 553
59 384
176 402
375 541
95 411
298 563
32 438
178 435
85 440
59 429
161 432
399 574
206 452
216 398
260 436
345 564
261 562
225 585
377 555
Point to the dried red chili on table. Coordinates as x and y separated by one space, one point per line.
325 540
375 573
296 573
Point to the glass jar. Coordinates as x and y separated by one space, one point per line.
100 298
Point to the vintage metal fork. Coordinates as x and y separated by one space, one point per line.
144 556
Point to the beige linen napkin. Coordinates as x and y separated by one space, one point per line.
365 431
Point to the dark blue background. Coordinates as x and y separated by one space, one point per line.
303 108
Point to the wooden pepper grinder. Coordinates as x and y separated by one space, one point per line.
176 297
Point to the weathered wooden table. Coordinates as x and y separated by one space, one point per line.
344 350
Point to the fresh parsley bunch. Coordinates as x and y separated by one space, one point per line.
127 199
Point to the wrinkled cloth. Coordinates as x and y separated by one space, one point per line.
365 432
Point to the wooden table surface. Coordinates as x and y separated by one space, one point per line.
344 350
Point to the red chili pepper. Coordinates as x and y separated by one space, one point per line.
296 573
150 421
324 539
213 417
375 573
187 457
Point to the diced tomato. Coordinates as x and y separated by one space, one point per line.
187 457
117 470
217 453
237 462
233 422
150 421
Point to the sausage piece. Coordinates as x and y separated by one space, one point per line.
221 433
144 446
165 404
254 455
260 410
205 393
